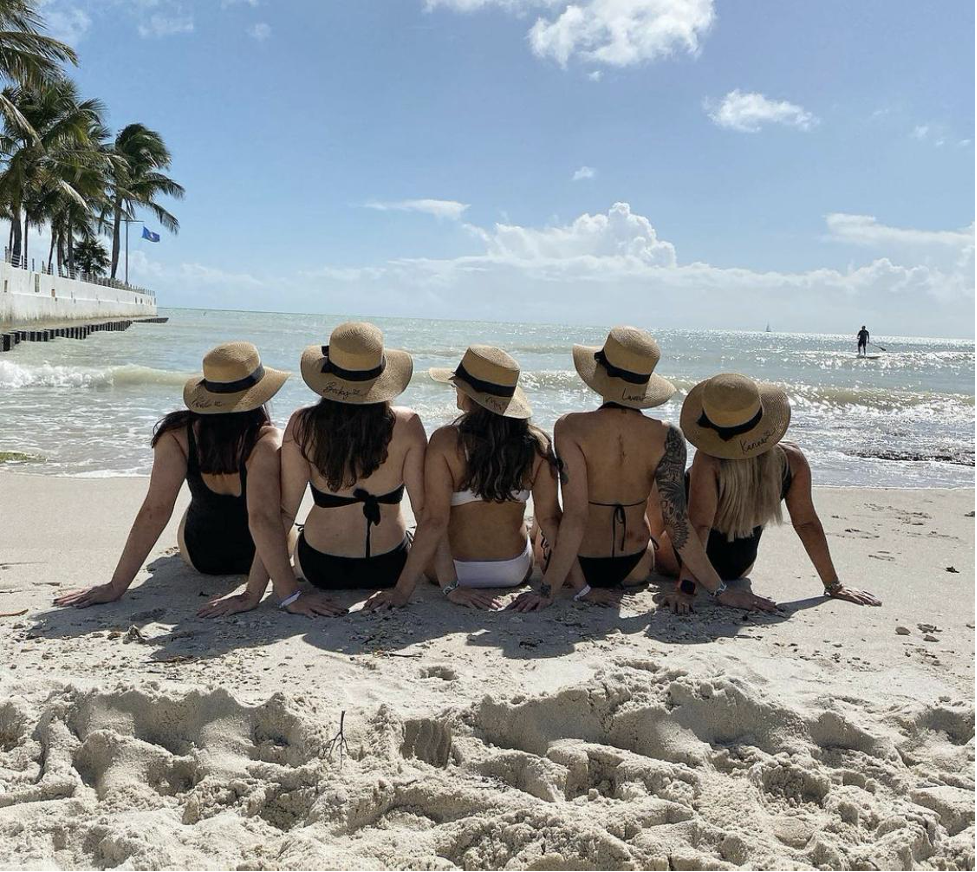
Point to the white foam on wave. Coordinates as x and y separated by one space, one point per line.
18 375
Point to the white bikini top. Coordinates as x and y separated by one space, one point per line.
461 498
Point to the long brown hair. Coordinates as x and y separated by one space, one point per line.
750 492
500 453
345 442
224 440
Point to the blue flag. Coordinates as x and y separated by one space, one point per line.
148 234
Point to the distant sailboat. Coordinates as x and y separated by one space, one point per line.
768 327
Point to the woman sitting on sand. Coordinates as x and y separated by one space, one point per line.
740 475
479 474
611 459
358 454
227 450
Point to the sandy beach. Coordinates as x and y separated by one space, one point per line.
135 735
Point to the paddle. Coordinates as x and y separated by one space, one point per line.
879 347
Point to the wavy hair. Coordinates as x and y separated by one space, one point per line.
500 453
224 440
750 493
345 442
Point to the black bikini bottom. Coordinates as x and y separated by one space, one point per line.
609 571
331 572
218 546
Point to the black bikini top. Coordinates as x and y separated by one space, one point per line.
371 504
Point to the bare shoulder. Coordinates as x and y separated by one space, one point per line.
408 422
796 458
175 439
270 435
444 440
294 420
571 424
267 450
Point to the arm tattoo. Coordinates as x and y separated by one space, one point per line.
670 478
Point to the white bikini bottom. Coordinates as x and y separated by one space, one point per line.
495 573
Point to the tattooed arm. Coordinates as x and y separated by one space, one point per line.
670 478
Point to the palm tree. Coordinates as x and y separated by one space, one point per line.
48 164
91 257
137 181
27 57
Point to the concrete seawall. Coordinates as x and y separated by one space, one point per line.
28 297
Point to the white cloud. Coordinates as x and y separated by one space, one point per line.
866 230
920 131
67 23
611 32
613 267
160 25
595 75
584 173
438 208
749 111
260 31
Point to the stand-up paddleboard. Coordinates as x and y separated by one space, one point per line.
867 356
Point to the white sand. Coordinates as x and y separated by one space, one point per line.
579 738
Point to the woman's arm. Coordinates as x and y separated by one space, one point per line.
168 475
703 503
807 525
670 478
572 524
433 511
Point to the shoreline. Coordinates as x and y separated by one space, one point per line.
820 736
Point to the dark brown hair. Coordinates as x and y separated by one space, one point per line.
224 440
500 453
345 442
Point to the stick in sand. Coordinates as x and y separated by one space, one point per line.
339 741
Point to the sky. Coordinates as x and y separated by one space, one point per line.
671 163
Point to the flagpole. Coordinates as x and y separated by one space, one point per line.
129 221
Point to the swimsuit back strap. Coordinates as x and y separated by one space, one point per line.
618 516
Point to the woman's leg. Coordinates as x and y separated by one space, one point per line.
645 566
181 540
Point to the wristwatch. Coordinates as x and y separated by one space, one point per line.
719 590
687 586
833 588
450 587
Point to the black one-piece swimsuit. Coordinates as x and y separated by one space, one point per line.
216 533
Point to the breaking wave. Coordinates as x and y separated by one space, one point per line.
15 375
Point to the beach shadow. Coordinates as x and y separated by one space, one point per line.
711 621
163 610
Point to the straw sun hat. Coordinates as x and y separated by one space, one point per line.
355 367
623 371
733 417
233 380
490 377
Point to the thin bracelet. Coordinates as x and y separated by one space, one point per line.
290 599
580 594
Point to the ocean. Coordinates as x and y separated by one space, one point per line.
905 419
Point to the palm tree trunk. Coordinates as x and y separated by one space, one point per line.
17 230
27 230
116 240
50 251
71 252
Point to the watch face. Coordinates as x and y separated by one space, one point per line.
688 587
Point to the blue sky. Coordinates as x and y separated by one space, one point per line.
669 162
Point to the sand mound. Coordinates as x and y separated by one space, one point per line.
646 767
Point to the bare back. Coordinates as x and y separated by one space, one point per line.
610 458
342 530
485 530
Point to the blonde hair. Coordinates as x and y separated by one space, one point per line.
750 492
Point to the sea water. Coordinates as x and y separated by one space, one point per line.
905 419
